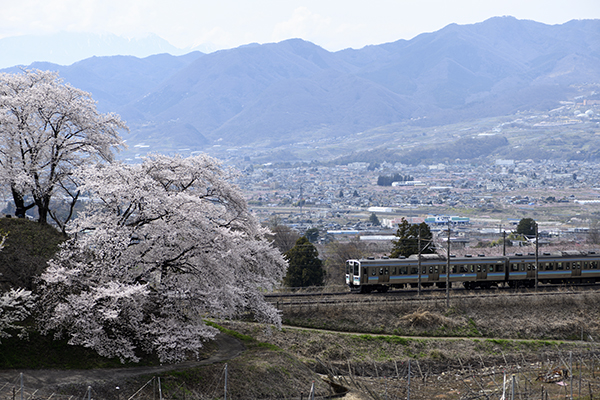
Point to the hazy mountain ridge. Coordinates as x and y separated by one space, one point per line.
65 48
281 93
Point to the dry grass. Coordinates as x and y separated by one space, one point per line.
567 316
376 366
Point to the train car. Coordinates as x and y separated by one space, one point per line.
560 267
518 270
367 275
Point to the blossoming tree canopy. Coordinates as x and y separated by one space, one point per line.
47 129
162 245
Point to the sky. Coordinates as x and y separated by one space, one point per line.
222 24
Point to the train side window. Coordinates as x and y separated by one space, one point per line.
499 268
380 271
559 266
373 272
593 265
548 266
471 268
414 270
436 269
424 270
585 265
387 271
431 270
454 269
356 269
443 269
577 265
491 269
567 265
514 267
403 270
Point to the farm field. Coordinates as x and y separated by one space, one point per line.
470 350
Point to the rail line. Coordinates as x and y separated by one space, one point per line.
428 295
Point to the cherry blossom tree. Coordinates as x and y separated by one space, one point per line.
48 128
15 306
162 245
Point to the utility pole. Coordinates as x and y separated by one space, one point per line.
448 270
419 260
537 264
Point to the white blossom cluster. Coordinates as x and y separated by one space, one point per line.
47 130
162 245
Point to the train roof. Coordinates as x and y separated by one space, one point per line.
427 257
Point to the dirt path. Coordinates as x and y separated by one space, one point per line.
228 348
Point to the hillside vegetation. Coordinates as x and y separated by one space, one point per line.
29 245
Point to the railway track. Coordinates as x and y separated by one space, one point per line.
301 299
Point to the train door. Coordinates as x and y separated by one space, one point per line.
434 273
481 272
576 268
530 270
384 274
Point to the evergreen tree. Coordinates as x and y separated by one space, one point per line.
373 219
305 268
526 227
408 240
312 234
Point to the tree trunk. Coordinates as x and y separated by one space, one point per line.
43 205
20 207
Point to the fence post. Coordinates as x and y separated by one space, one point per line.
225 395
408 383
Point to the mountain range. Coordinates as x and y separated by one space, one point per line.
279 94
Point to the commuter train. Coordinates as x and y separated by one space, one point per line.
518 270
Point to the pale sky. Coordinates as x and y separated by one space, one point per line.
331 24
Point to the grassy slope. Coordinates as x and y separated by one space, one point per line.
27 248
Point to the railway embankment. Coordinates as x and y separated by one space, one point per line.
462 351
565 314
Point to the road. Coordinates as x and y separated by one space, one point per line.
228 348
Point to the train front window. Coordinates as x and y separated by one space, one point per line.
356 269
